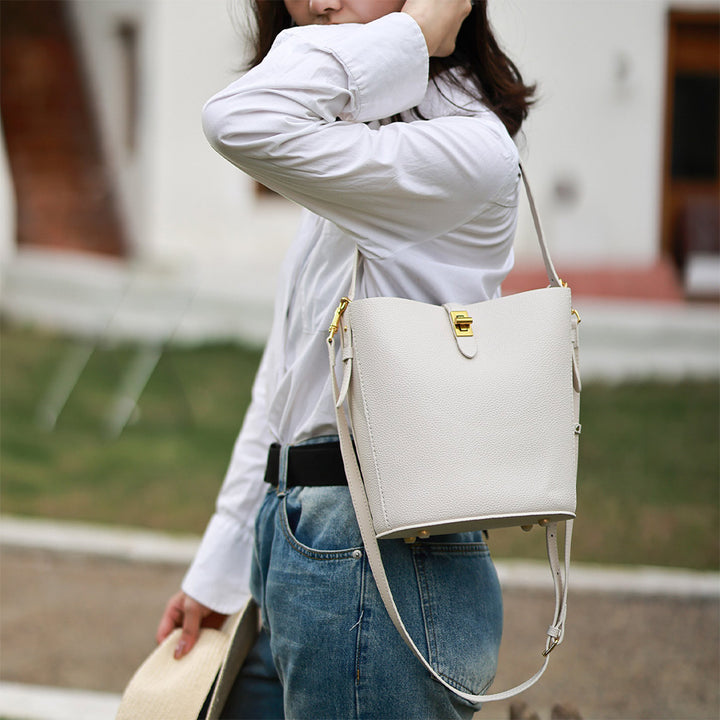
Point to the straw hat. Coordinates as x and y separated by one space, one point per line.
163 688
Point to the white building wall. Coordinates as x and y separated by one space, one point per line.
206 213
594 142
196 195
97 25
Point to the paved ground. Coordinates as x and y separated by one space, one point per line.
73 620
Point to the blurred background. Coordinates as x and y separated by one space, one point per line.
137 273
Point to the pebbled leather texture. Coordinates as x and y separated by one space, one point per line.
448 442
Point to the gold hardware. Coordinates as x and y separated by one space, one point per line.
544 522
526 528
344 302
573 311
462 323
423 535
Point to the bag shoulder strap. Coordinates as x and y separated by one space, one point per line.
553 277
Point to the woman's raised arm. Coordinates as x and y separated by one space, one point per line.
296 123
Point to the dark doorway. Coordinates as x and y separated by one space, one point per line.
691 187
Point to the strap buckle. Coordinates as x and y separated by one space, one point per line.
550 648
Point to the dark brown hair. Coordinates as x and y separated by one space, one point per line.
496 79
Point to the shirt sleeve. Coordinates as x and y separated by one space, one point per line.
297 123
219 575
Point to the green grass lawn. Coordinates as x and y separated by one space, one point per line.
648 489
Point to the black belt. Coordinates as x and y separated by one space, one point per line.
317 465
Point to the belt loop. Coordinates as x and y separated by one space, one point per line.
283 471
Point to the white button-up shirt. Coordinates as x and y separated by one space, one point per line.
431 203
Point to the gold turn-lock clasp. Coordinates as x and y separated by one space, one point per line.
462 323
344 302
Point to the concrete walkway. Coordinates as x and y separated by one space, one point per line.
80 604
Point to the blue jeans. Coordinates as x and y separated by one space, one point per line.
329 650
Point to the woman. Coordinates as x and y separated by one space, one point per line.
391 122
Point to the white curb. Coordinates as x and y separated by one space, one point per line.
631 580
101 540
36 702
150 546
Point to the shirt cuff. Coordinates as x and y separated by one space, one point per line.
219 576
393 77
382 83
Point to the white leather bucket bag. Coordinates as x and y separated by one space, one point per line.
463 417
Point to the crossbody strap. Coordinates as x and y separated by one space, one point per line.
363 514
555 631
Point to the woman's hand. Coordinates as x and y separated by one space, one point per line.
182 611
440 22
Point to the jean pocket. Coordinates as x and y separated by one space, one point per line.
462 609
320 523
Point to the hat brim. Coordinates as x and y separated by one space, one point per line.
164 688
